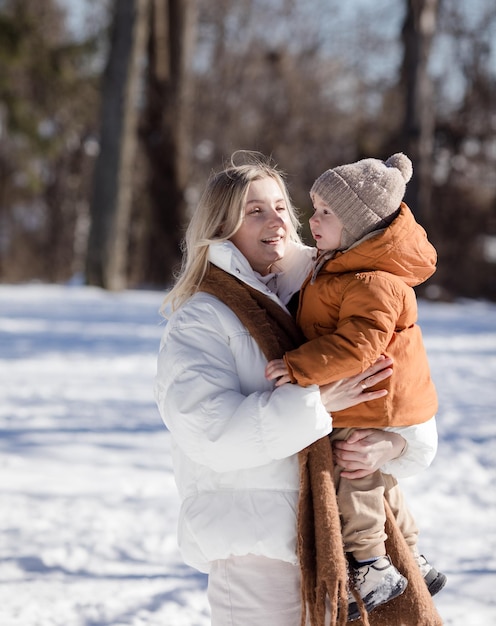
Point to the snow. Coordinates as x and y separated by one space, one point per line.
88 500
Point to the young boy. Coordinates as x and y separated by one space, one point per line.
357 304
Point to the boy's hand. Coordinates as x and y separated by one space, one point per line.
277 369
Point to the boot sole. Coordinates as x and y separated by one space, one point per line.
436 584
370 605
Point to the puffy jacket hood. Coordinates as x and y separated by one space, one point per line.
401 249
286 279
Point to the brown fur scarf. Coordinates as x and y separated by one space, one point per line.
320 550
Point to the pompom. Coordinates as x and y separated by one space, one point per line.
402 163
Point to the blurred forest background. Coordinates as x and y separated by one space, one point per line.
114 113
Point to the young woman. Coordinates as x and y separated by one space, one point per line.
237 438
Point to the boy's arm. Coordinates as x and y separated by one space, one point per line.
368 318
277 369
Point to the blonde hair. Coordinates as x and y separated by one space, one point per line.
219 214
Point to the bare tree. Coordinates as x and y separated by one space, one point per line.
106 264
419 29
166 133
48 97
320 87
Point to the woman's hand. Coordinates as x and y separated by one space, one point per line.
353 390
366 450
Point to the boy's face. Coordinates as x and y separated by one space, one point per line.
325 226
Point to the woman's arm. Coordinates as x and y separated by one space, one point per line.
400 451
366 450
219 424
420 449
213 397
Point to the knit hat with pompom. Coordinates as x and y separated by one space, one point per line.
365 195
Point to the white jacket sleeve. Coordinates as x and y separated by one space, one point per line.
419 452
213 396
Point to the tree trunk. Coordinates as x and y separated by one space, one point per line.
418 127
106 264
166 133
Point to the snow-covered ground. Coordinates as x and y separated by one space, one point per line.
88 505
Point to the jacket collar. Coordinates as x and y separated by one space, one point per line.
281 284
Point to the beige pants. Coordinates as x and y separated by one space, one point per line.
254 591
361 505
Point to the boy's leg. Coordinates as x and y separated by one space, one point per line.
361 509
361 505
372 573
434 580
363 518
404 518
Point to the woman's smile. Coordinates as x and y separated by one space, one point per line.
263 235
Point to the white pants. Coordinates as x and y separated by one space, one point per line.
254 591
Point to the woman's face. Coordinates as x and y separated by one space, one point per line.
326 227
263 235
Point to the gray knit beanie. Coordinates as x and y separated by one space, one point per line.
365 195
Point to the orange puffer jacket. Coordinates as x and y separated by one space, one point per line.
361 304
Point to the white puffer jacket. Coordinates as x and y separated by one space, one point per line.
235 437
